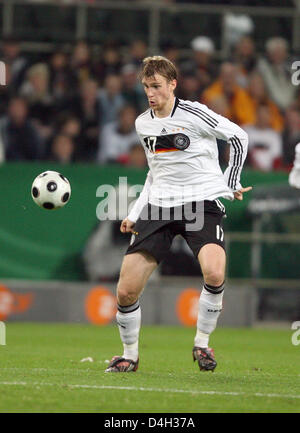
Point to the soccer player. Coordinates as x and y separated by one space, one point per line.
179 138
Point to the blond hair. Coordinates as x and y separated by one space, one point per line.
158 65
38 69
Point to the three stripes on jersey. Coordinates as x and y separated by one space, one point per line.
237 163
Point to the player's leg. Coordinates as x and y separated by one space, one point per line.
208 247
212 259
135 271
148 246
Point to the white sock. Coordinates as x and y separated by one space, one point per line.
201 339
129 323
210 307
131 351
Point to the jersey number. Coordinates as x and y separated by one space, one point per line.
150 143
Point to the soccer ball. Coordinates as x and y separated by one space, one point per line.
51 190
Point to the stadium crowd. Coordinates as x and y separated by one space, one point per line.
76 106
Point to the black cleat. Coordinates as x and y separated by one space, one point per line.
121 365
205 357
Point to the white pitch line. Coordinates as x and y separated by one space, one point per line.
176 391
83 370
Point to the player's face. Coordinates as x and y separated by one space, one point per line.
159 91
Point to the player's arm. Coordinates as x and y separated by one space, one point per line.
294 176
224 129
128 223
238 140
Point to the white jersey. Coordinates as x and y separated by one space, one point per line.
182 155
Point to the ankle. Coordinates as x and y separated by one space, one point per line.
131 351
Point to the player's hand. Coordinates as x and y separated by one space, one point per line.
127 226
239 194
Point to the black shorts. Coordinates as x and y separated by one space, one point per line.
156 235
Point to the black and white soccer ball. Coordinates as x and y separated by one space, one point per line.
51 190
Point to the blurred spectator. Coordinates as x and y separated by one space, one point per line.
67 124
245 58
219 105
81 63
133 92
235 26
258 96
86 108
137 157
276 72
35 90
265 144
291 135
202 63
137 52
111 99
62 149
62 80
117 137
237 99
19 137
15 62
171 51
110 63
5 94
188 87
63 97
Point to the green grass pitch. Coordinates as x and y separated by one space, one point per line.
40 371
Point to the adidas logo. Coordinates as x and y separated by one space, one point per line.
163 131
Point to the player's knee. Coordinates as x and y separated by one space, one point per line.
126 295
214 278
